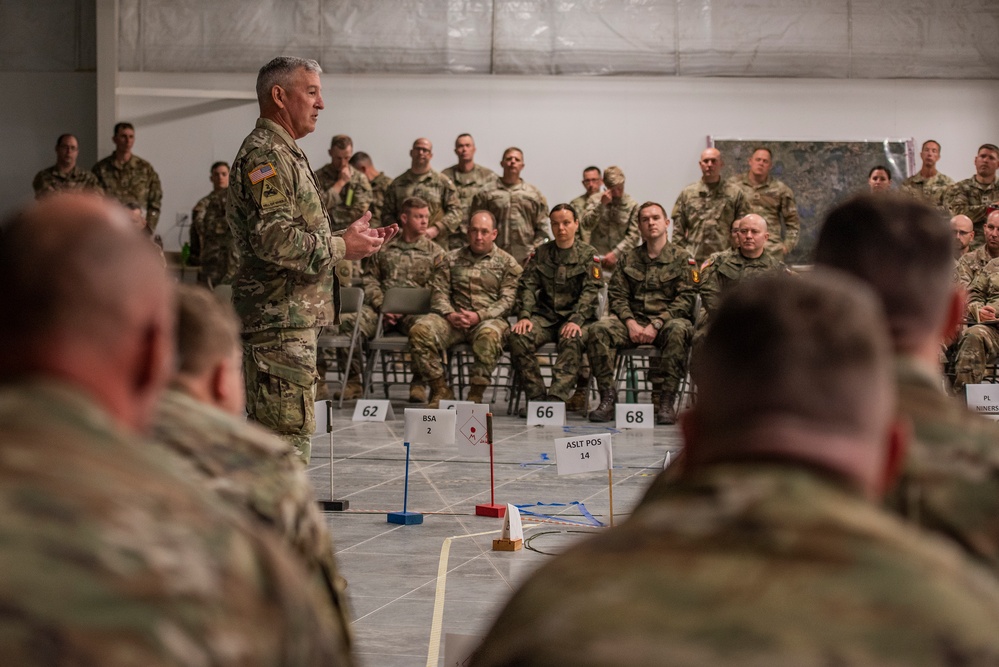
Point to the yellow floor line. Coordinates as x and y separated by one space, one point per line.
434 651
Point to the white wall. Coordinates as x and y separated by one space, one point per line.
654 128
38 108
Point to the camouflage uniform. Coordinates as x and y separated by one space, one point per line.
521 213
971 198
950 481
114 556
135 181
978 344
929 190
433 188
485 284
53 180
557 286
774 202
752 564
399 264
212 246
468 184
970 265
612 227
351 202
379 186
725 269
257 473
649 291
583 204
703 215
285 286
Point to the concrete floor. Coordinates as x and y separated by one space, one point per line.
410 586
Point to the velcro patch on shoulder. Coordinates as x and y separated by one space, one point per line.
262 172
271 197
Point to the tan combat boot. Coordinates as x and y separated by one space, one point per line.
439 391
579 400
352 390
477 390
417 392
605 411
665 414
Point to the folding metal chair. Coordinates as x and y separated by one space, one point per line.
351 300
402 301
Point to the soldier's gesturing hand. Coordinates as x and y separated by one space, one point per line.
361 240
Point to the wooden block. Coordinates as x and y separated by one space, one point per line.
507 545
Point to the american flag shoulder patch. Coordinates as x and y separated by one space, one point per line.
262 172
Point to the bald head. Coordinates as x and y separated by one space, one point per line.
964 232
85 296
711 164
790 365
751 235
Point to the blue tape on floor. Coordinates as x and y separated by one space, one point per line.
593 521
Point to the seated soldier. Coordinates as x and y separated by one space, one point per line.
409 260
978 345
902 249
201 418
474 289
113 555
972 263
769 549
728 267
556 300
651 296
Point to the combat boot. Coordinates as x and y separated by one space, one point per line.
477 390
578 402
439 391
605 411
352 390
417 392
665 414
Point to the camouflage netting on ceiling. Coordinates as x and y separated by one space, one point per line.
780 38
755 38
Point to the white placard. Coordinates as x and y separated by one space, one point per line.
451 405
983 399
369 410
635 415
470 420
513 528
458 649
543 413
432 427
322 411
583 453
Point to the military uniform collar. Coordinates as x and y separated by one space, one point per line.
467 249
749 182
271 126
912 371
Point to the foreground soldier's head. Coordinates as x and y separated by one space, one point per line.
86 301
800 370
903 250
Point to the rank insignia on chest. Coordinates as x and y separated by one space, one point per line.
560 275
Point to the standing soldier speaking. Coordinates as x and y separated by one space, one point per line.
286 287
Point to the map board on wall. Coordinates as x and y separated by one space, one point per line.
821 174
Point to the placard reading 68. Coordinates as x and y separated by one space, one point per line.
588 453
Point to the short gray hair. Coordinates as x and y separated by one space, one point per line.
278 72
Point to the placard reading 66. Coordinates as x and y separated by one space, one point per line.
585 453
